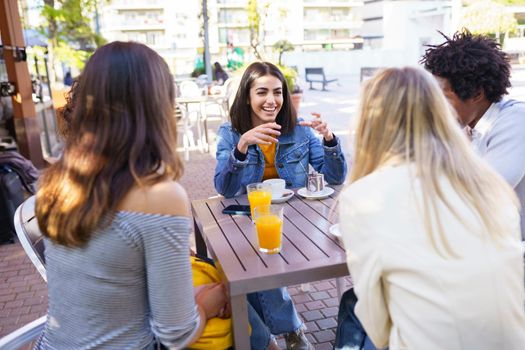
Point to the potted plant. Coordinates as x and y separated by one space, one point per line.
289 73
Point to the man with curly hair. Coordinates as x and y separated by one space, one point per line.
474 75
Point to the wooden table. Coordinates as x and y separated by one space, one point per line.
309 252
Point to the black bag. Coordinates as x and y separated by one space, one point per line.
11 196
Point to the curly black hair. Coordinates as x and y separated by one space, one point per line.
470 62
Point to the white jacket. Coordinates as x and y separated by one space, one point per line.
410 297
499 138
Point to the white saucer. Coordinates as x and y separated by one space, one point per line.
286 195
334 230
326 192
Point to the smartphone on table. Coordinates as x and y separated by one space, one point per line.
237 209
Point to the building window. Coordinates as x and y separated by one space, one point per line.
148 37
232 16
141 17
328 15
326 34
234 35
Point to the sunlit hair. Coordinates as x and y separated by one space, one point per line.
64 112
121 133
241 111
404 118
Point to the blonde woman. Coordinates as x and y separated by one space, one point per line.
432 233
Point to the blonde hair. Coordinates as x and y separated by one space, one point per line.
404 117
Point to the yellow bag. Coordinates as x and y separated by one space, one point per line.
218 332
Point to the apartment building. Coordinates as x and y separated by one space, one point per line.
407 25
311 24
515 42
332 24
173 28
170 27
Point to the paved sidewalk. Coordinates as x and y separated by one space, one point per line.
23 293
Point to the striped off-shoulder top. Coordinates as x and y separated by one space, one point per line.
131 283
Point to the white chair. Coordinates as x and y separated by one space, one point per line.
219 109
184 127
195 111
189 88
30 236
23 336
46 152
32 240
231 85
203 112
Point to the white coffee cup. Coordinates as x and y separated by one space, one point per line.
278 187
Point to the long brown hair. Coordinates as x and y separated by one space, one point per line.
64 112
241 111
404 117
122 133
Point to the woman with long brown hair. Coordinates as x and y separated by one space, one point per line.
117 223
266 140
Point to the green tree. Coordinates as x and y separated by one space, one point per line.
488 17
281 47
257 13
511 2
68 26
254 23
503 2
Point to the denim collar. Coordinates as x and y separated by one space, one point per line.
286 139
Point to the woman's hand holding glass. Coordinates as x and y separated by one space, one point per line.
263 134
319 125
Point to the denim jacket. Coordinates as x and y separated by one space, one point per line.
294 152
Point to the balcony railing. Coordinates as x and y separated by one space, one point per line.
232 2
332 3
137 4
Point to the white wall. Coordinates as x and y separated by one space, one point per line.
348 62
406 27
410 25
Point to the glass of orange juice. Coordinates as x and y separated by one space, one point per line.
269 225
259 193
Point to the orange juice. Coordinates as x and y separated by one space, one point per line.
259 198
269 233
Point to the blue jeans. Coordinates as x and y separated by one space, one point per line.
350 332
261 336
276 309
269 312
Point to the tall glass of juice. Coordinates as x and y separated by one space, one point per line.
259 194
269 225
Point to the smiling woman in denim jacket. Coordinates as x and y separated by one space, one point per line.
265 140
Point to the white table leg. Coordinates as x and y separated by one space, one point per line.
340 285
240 322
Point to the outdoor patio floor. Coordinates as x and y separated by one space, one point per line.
23 293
